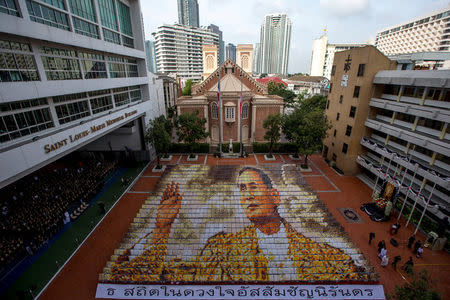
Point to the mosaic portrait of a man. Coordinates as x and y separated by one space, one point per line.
239 224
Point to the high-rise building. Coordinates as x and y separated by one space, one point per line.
322 55
68 77
257 59
275 40
150 54
427 33
215 29
179 49
231 52
188 13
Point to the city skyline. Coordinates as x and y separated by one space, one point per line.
309 20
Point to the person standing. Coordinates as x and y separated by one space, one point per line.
409 265
384 261
371 237
417 245
411 241
396 260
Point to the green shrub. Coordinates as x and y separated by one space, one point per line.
277 148
184 148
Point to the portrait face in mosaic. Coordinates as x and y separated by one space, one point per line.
235 224
257 197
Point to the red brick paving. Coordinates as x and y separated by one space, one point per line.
83 268
319 183
262 160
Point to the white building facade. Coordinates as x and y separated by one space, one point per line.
322 55
179 50
427 33
72 72
275 41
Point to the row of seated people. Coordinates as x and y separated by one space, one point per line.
32 209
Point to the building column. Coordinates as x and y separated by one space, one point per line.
239 121
205 112
400 93
99 22
253 129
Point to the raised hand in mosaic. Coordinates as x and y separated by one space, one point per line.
167 212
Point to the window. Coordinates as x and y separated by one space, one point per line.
361 68
15 66
334 134
245 110
45 15
333 70
341 98
60 64
214 110
101 104
85 28
337 116
135 93
344 148
348 131
356 91
83 8
93 65
328 104
123 12
108 14
121 96
68 112
9 7
230 113
352 112
331 86
334 157
34 116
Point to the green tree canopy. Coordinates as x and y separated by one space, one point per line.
420 288
158 134
306 128
273 125
314 102
187 90
191 128
279 89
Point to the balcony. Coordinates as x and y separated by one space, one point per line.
431 173
433 144
428 112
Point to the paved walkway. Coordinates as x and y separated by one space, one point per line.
334 190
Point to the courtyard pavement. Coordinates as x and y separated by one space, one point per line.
335 191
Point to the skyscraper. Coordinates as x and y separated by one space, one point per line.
179 49
257 59
188 13
215 29
275 41
150 54
231 52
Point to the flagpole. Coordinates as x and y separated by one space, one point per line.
240 121
415 202
378 176
425 208
220 115
401 184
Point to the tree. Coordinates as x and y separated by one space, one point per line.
191 128
311 103
273 125
158 135
420 288
187 88
279 89
307 129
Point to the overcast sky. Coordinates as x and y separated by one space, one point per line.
347 21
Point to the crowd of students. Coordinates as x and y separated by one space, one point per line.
32 209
